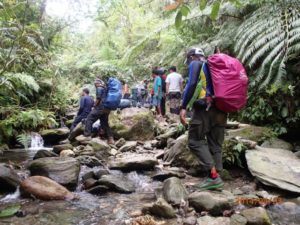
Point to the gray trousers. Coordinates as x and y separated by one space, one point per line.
206 136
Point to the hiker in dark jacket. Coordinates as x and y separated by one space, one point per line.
99 112
207 126
85 107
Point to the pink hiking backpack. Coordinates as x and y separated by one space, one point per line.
230 82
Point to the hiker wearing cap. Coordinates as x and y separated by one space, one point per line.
207 126
157 91
174 88
85 107
99 112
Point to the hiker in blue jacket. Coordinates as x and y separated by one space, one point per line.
85 107
207 126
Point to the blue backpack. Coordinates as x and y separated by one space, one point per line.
114 94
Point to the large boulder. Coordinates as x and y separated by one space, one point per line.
180 155
9 179
99 145
117 183
64 171
277 143
256 216
130 162
45 189
208 220
54 136
133 124
89 161
275 167
249 132
174 192
58 148
44 153
214 203
78 130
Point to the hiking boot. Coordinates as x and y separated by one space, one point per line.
111 141
211 184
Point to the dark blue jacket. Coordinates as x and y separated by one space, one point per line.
86 105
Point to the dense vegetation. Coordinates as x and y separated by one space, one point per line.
46 59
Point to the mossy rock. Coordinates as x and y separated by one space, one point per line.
133 124
249 132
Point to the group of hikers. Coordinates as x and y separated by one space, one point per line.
209 114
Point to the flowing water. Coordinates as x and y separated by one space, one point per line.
107 209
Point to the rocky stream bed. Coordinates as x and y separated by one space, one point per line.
147 178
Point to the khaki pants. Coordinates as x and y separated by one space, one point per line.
206 136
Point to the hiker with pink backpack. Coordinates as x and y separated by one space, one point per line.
215 87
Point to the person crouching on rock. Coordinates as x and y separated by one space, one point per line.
85 107
207 126
99 112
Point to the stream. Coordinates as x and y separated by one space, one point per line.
110 208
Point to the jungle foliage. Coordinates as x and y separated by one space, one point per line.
46 60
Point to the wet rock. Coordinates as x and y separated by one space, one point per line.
285 168
161 209
9 179
277 143
256 216
99 173
54 136
67 153
64 171
44 153
89 183
117 183
249 132
174 192
120 142
214 203
133 124
78 130
132 162
84 150
128 146
89 161
164 174
99 145
180 155
297 154
45 189
88 175
98 190
208 220
237 219
58 148
66 141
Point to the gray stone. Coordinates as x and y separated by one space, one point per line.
44 153
297 154
191 220
120 142
133 124
99 145
58 148
64 171
117 183
132 162
284 172
88 175
89 183
89 161
256 216
78 130
174 192
113 152
208 220
9 179
237 219
161 209
84 150
45 188
129 146
249 132
277 143
164 174
98 190
214 203
99 173
67 153
54 136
